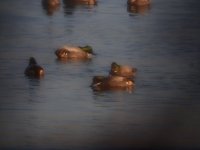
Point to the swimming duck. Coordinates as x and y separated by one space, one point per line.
123 71
72 52
33 69
50 6
138 2
101 83
51 3
87 2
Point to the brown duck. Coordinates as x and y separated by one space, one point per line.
33 69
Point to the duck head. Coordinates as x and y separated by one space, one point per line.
123 71
88 49
115 68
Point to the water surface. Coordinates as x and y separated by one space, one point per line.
60 111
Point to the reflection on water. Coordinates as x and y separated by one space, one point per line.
70 5
61 111
138 9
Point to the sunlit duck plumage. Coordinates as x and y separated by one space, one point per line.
72 52
33 69
101 83
123 71
138 2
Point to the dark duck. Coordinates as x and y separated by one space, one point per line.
33 69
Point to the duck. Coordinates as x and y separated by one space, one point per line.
138 2
122 70
87 2
101 83
74 52
33 69
50 6
51 3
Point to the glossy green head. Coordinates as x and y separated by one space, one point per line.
115 67
87 49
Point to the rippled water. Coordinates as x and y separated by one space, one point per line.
60 111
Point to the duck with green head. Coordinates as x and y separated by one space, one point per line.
33 69
123 71
73 52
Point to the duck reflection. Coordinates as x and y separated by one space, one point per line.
138 9
74 60
70 5
50 6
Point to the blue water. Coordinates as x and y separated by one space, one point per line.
61 111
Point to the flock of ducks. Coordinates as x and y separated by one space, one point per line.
93 2
119 77
135 6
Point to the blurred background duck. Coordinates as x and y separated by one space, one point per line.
73 52
138 2
51 3
33 69
50 6
123 71
79 2
101 83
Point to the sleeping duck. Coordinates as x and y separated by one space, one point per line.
138 2
33 69
101 83
123 71
72 52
